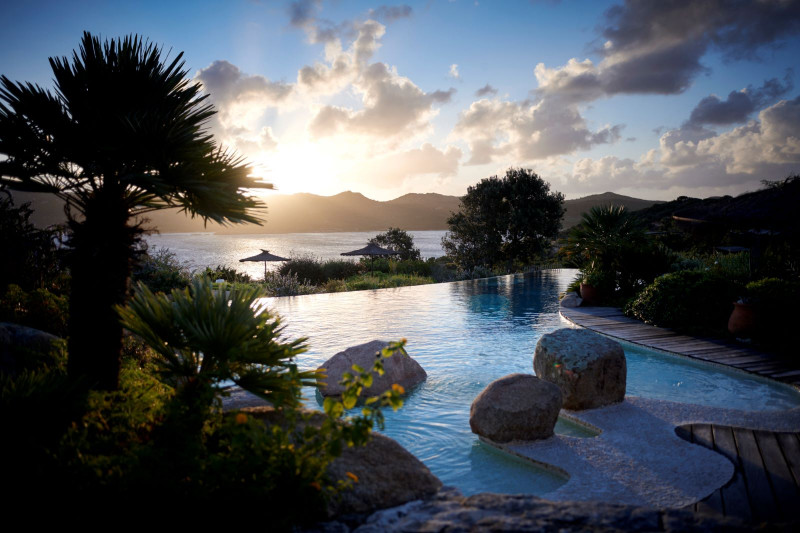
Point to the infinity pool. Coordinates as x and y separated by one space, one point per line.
469 333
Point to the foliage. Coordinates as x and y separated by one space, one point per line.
502 220
379 280
161 271
771 291
400 241
123 134
38 309
203 338
231 275
277 284
686 300
340 269
611 248
307 269
30 257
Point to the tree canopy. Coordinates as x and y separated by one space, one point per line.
398 240
504 220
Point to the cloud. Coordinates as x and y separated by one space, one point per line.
524 131
240 100
738 106
695 157
393 107
453 72
390 13
486 90
391 171
656 47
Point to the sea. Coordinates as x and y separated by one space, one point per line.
199 250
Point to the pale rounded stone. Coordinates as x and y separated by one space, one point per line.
398 368
516 407
589 369
571 299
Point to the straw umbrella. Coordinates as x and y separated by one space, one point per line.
263 256
371 250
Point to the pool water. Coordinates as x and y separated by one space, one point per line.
467 334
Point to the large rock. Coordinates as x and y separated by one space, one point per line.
516 407
22 342
398 368
589 368
388 474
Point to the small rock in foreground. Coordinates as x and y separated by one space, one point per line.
516 407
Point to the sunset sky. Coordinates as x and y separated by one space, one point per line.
650 99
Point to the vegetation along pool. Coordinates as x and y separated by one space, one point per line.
469 333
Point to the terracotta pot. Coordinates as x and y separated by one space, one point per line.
590 294
742 322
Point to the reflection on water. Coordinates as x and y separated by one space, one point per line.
468 334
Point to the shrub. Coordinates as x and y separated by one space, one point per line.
228 274
340 269
38 309
277 284
686 300
415 267
161 271
376 264
306 268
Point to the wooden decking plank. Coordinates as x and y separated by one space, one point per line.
734 493
702 434
790 446
612 322
759 490
780 476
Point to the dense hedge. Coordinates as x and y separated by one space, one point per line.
686 300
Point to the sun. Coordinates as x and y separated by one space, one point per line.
302 166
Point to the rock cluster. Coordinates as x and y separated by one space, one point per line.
516 407
589 369
16 341
450 511
399 368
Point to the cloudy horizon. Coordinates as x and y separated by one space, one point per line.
647 99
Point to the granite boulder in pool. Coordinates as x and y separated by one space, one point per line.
399 368
516 407
589 369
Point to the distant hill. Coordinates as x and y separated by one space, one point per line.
347 211
575 208
296 213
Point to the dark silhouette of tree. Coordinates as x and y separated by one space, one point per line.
122 135
398 240
504 220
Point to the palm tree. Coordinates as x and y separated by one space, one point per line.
122 135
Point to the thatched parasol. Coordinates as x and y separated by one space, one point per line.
371 250
263 256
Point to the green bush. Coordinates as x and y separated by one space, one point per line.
277 284
161 271
340 269
228 274
377 264
415 267
687 300
38 309
307 270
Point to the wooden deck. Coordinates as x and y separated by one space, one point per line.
610 321
766 485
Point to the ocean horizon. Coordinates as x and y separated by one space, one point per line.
199 250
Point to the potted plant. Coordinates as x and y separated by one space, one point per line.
591 284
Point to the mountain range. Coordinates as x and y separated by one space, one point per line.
346 211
